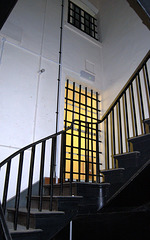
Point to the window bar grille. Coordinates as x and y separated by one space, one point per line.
97 141
79 135
92 160
82 20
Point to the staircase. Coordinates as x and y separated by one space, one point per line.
116 199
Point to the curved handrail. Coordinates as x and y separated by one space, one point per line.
42 140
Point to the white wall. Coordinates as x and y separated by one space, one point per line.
126 40
29 42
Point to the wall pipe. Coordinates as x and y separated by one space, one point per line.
60 64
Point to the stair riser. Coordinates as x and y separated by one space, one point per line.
26 236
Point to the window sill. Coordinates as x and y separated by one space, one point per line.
82 34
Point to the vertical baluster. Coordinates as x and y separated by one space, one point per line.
113 150
139 106
30 186
141 101
134 112
120 127
125 123
127 119
52 173
17 199
147 78
62 160
131 107
41 175
147 91
6 185
97 145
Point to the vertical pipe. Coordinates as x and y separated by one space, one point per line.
60 64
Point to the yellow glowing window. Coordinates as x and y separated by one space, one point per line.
81 104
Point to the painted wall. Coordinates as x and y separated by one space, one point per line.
29 42
125 43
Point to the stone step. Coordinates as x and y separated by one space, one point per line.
147 125
128 160
141 143
92 193
50 222
34 234
115 177
59 203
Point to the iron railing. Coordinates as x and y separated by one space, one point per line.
123 120
4 232
126 116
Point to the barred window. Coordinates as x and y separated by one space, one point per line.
82 20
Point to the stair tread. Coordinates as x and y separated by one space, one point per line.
37 212
138 138
147 120
60 197
25 231
112 170
126 154
75 183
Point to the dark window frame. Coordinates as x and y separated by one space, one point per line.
82 20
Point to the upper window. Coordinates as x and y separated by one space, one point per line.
82 20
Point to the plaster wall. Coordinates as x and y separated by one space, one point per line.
29 42
126 40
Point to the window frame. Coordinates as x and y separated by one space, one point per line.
82 20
